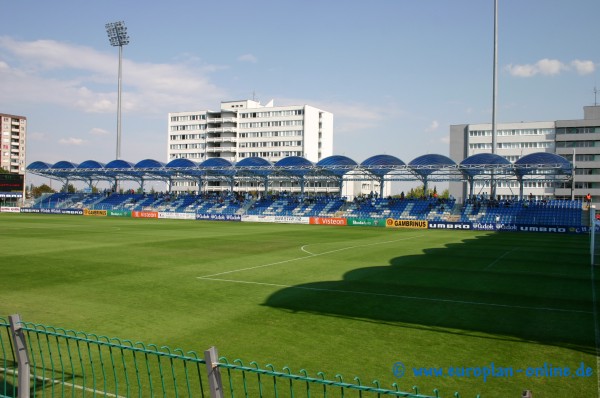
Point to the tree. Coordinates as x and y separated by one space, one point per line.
418 192
42 189
68 188
3 171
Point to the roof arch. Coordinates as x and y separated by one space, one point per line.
479 163
64 164
183 167
294 165
122 169
91 164
149 164
119 164
428 164
337 165
336 160
253 161
216 162
542 161
39 165
254 165
150 168
381 165
217 166
181 163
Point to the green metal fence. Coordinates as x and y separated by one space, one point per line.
44 361
252 381
8 375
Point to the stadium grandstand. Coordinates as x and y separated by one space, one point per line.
267 198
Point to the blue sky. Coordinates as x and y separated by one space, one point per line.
395 73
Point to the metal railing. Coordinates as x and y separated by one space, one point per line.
44 361
8 375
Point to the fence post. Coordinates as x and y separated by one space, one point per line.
21 354
211 357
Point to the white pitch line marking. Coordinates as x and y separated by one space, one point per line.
311 255
306 251
398 296
501 257
75 386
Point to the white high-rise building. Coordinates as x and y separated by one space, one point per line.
242 129
13 130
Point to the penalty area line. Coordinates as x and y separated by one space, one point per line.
397 296
310 255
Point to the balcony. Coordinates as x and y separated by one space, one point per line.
217 149
221 139
221 130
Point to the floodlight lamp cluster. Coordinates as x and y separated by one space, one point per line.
117 33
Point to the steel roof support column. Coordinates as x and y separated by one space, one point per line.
471 182
520 180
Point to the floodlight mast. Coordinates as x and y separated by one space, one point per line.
494 96
117 35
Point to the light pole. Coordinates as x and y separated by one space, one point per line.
494 95
117 35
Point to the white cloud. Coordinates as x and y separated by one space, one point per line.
433 126
56 73
521 70
550 67
583 67
99 131
71 141
248 58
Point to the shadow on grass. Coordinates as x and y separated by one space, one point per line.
9 381
7 389
509 286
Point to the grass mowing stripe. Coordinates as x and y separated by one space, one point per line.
398 296
501 257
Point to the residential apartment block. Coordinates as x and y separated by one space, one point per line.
515 140
242 129
13 133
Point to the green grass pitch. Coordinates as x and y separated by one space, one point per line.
348 300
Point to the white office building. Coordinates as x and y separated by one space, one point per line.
515 140
242 129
